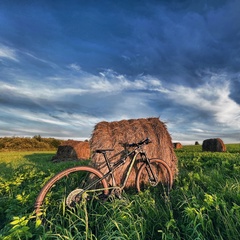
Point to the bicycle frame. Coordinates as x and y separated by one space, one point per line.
111 169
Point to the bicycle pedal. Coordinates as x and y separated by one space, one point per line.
119 196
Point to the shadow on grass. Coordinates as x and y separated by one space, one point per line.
43 162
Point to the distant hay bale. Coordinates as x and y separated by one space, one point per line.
177 145
213 145
72 150
111 134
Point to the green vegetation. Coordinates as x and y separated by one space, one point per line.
204 203
28 144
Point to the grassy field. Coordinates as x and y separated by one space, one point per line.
204 202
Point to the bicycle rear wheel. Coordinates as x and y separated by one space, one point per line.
68 190
161 171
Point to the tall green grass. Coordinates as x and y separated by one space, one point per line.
203 204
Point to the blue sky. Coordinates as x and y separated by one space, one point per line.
67 65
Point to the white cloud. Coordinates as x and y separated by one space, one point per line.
51 64
123 98
212 97
197 130
74 67
66 86
56 124
30 116
8 53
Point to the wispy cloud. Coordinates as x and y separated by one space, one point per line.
212 97
74 66
8 53
39 59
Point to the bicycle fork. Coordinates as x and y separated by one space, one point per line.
153 179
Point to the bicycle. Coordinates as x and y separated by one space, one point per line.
81 184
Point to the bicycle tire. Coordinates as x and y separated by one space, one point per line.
161 170
67 181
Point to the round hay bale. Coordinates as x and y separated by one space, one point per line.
213 145
177 145
111 134
72 150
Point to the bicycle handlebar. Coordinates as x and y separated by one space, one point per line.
145 141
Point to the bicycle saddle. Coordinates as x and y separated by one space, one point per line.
103 150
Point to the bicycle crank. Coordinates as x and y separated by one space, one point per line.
153 182
75 197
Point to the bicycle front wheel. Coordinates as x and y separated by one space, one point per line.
157 174
69 189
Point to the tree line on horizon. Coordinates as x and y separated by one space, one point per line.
28 143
